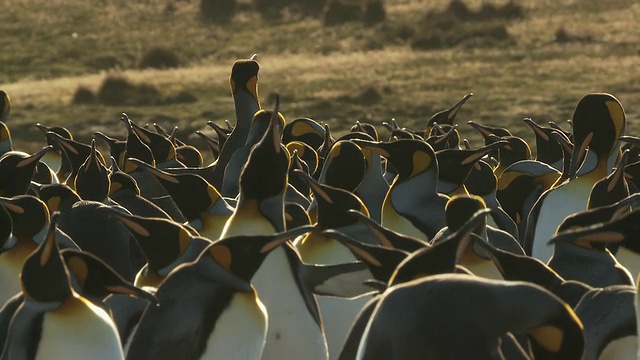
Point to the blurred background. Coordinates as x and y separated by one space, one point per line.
81 63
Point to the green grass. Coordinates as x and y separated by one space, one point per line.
317 71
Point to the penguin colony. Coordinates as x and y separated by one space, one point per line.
295 245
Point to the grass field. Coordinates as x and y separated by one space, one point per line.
52 47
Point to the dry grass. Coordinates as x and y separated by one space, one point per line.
318 71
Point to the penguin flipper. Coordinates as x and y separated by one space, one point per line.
24 332
6 314
341 280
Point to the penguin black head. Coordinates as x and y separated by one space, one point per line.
16 171
58 197
92 181
28 213
306 153
481 180
612 188
189 155
460 208
366 128
409 157
212 144
244 76
162 148
448 116
44 277
344 167
242 255
95 280
305 130
266 170
598 121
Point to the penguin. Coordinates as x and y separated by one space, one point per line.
189 155
448 116
520 186
208 308
610 329
441 139
212 144
440 257
260 207
516 150
518 267
6 143
412 205
162 149
125 192
26 219
54 321
56 159
482 182
598 121
576 258
344 166
259 125
16 171
116 147
5 106
548 150
365 128
222 134
260 211
93 181
93 231
387 237
414 318
454 166
200 203
458 211
166 244
315 248
611 188
244 88
305 130
622 230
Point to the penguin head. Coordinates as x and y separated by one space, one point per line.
136 148
344 167
366 128
44 277
409 157
16 171
29 215
598 121
92 181
305 130
611 188
189 155
243 255
94 279
244 77
58 197
121 181
448 116
162 148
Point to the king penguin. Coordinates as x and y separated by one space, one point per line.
598 121
244 88
414 319
5 106
55 322
412 205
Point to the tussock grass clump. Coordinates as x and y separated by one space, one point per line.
460 25
218 10
342 11
159 57
182 97
83 95
562 36
374 12
117 90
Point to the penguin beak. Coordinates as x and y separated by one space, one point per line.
9 204
33 159
578 155
281 238
536 129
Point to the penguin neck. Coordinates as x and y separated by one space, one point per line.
246 106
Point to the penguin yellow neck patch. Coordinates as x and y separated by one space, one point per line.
549 337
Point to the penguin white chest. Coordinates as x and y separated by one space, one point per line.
625 348
293 333
240 330
78 330
558 204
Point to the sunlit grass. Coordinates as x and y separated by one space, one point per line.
316 70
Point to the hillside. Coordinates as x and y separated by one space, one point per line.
413 64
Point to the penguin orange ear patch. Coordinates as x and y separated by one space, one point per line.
549 337
222 255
